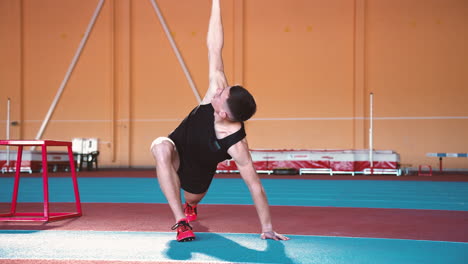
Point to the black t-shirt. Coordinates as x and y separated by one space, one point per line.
199 149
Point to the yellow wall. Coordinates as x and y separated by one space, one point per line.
310 64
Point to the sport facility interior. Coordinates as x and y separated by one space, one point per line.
360 137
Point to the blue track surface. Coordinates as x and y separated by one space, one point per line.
237 248
287 192
209 248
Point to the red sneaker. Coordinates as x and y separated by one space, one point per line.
184 231
190 212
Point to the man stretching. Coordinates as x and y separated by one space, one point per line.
211 133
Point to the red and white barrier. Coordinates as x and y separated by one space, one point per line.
321 161
265 161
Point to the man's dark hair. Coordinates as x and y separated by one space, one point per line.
241 104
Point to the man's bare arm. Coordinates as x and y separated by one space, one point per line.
241 155
215 43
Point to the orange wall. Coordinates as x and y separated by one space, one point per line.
310 64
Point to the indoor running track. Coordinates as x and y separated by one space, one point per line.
330 219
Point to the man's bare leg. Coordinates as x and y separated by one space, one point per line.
193 199
167 163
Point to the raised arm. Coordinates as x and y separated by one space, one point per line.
215 42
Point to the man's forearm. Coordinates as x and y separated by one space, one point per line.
263 209
215 37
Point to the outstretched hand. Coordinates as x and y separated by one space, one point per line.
273 235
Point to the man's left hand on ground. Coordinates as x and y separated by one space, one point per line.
273 235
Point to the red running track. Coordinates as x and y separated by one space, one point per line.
319 221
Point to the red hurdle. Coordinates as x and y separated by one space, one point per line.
46 215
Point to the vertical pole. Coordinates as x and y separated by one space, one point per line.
121 137
113 80
75 180
45 180
8 135
440 164
371 134
70 70
14 198
176 50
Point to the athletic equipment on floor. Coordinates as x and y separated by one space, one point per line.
184 231
190 212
